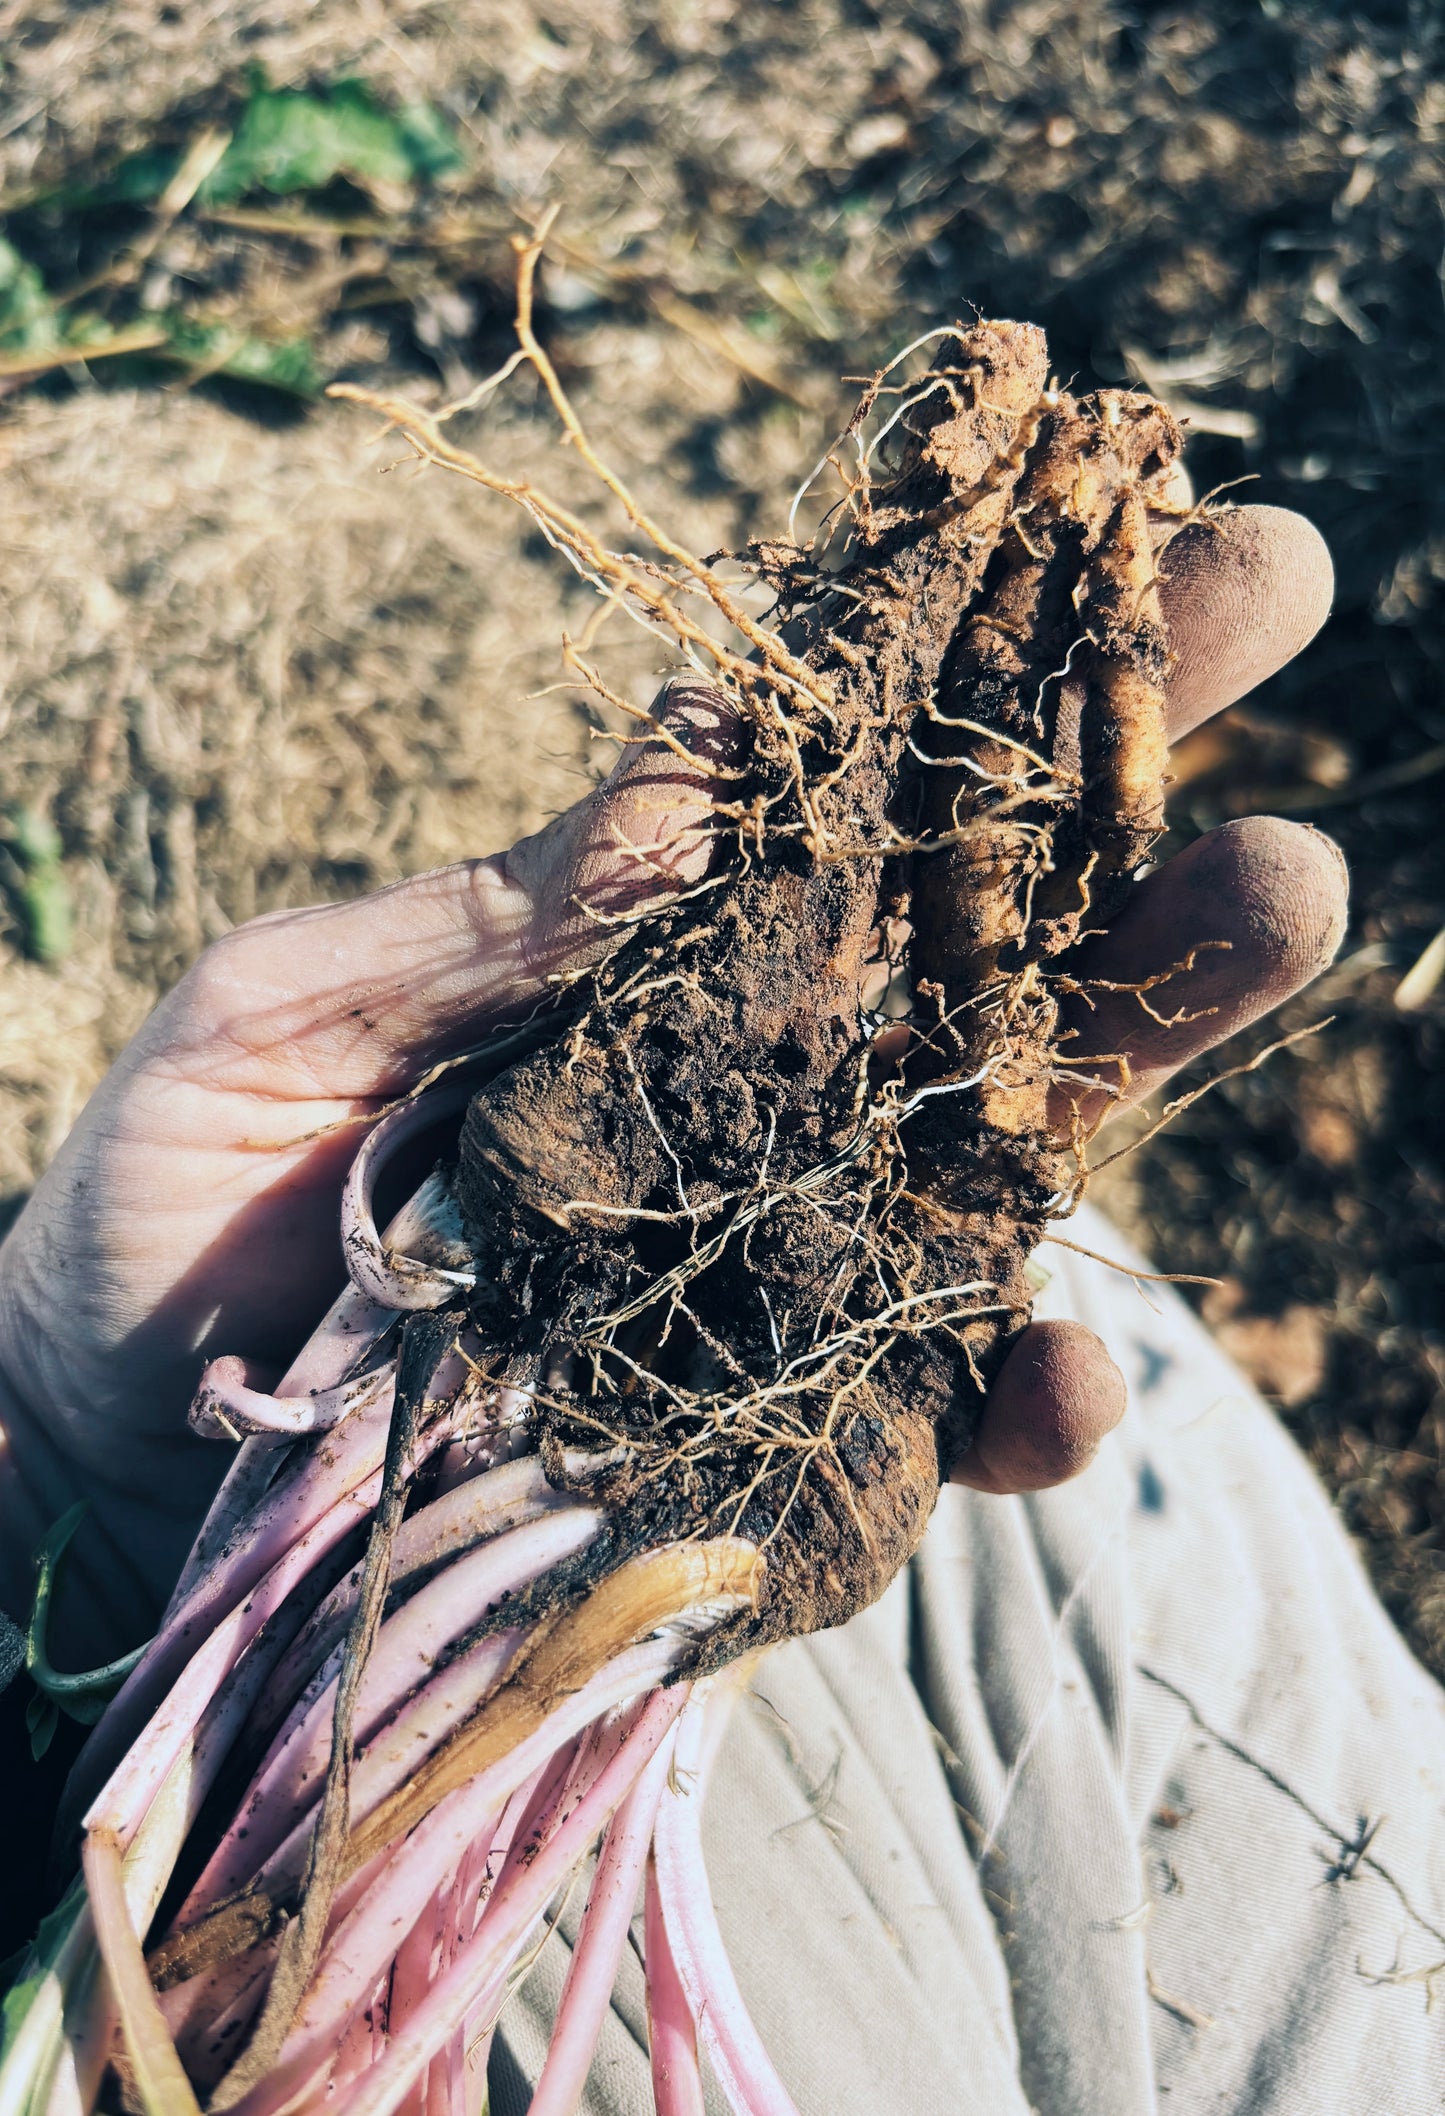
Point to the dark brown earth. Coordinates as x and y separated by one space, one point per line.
724 1238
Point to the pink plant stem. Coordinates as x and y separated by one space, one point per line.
161 2083
744 2069
396 1750
365 1942
191 2007
449 2091
634 1671
127 1794
550 1794
327 1492
672 2031
442 2088
226 1407
481 1968
403 1661
209 2016
125 1797
345 1334
381 1267
587 1992
410 1976
348 1330
351 1326
416 1958
445 2090
485 1505
358 2050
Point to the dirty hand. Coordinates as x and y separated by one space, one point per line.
193 1210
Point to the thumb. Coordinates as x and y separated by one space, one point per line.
354 1000
647 832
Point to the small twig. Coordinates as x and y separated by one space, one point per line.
1156 1278
1180 2007
1348 1845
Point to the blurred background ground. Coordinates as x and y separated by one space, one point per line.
239 669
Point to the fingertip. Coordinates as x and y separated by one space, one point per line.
706 724
1056 1396
1242 593
646 829
1276 891
1238 923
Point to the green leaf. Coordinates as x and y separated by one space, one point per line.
42 1717
34 837
287 364
36 1963
86 1695
27 313
44 904
434 149
136 181
41 891
290 140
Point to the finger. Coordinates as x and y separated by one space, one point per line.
353 1000
1056 1396
1261 905
1242 593
646 832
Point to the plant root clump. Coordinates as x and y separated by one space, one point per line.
757 1258
668 1360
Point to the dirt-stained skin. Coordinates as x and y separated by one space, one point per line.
722 1232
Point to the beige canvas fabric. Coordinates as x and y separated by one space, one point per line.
1070 1822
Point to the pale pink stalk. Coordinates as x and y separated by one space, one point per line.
360 1948
411 1973
744 2069
336 1347
274 1851
230 1709
587 1992
551 1793
123 1800
126 1795
403 1662
671 2029
485 1505
415 1636
160 2080
457 2079
226 1408
289 1511
437 2092
481 1968
325 1490
382 1267
359 2048
209 2016
448 2080
347 1332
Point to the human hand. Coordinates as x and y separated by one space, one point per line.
193 1210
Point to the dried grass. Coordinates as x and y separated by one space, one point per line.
245 671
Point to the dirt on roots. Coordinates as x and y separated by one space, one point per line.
719 1235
